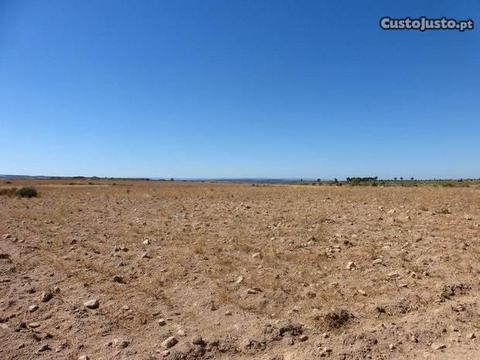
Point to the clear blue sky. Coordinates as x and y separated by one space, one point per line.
237 89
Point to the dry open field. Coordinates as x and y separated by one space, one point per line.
239 272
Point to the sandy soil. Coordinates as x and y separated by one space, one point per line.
160 270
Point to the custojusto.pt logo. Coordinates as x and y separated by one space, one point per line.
424 23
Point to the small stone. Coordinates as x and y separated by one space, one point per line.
377 262
393 274
438 346
61 346
351 265
117 248
181 332
471 336
161 322
146 242
169 342
33 308
91 304
239 279
197 340
303 338
228 313
121 343
362 292
20 326
83 357
325 352
252 291
214 342
33 325
46 296
391 347
118 279
256 255
246 343
44 347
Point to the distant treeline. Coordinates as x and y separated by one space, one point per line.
400 181
352 181
360 180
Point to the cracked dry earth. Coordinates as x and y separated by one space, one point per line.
161 270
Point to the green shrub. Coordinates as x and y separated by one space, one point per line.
27 191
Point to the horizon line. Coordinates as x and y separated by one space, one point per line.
243 178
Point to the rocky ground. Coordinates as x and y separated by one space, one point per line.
160 270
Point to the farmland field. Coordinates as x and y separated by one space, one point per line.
170 270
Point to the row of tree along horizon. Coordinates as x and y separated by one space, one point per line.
355 180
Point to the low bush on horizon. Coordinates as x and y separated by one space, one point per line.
27 191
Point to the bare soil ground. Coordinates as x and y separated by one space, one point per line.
239 272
